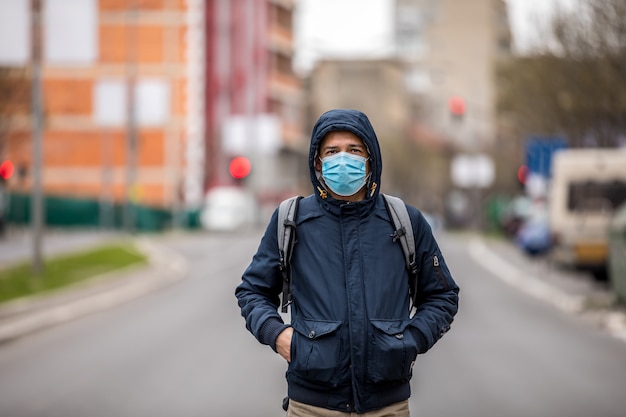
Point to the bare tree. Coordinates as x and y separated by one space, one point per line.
576 84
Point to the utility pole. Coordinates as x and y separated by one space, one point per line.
173 148
223 70
36 123
251 68
106 194
131 116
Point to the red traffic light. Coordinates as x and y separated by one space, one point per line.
239 167
457 106
522 174
6 169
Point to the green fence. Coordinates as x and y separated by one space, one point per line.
75 212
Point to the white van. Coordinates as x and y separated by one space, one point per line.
587 186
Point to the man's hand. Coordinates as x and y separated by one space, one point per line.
283 343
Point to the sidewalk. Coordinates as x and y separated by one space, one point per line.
575 292
17 244
26 315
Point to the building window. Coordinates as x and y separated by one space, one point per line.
71 31
282 63
14 32
152 102
283 17
417 81
109 102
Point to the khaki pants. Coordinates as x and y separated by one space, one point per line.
297 409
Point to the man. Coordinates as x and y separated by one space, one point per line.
352 342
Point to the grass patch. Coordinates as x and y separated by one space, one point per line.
20 281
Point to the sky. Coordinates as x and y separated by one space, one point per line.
363 27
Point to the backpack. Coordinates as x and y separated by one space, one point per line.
403 232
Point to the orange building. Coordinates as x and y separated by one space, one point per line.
95 145
131 96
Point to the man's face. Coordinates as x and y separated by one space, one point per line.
342 141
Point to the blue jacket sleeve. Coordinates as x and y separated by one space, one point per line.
260 287
437 292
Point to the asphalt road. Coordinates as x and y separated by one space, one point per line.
184 351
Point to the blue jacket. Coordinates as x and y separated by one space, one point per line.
354 342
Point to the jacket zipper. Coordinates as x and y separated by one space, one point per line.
442 279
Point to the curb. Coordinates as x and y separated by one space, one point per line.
612 321
29 314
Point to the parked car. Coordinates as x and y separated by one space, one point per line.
534 237
228 208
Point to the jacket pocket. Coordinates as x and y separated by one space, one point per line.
317 352
392 351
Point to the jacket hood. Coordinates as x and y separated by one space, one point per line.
357 123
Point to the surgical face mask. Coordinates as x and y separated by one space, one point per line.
344 173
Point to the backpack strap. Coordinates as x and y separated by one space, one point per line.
286 233
403 231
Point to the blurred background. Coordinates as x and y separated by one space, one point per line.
129 114
503 118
